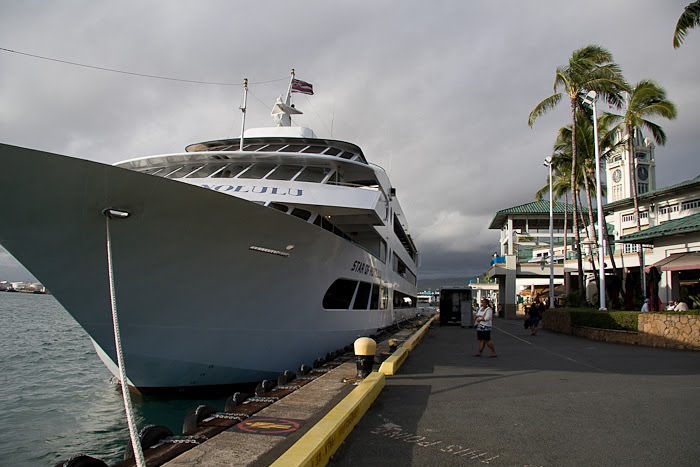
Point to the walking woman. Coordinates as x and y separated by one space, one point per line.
484 321
535 316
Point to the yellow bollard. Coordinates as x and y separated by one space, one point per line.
365 349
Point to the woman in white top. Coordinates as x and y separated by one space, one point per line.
484 321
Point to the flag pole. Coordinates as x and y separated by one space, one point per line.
243 109
288 100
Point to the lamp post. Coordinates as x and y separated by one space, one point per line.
548 163
590 101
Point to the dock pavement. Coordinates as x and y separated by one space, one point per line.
546 400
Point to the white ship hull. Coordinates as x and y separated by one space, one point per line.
197 307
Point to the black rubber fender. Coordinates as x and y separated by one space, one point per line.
303 370
263 387
149 436
234 401
195 417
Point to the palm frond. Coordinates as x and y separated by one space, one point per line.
656 131
647 100
689 19
542 192
543 107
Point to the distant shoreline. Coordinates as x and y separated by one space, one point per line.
28 292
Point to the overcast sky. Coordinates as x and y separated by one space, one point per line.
438 93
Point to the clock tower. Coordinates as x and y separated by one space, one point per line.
620 164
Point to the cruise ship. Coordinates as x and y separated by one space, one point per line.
231 262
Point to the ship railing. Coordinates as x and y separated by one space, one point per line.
352 185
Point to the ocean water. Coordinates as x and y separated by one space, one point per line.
56 397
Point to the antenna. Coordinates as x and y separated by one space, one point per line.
243 109
332 117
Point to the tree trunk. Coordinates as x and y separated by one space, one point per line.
611 253
577 234
566 222
592 224
590 242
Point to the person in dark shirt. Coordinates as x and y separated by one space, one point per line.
535 316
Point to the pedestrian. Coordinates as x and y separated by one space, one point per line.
680 306
535 316
484 321
645 307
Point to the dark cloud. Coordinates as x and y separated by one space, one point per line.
437 93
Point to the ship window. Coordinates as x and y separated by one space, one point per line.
339 294
284 172
312 174
325 223
347 155
301 213
374 298
401 300
170 171
231 171
332 152
314 149
206 171
258 171
362 296
274 147
182 171
253 147
293 148
152 171
279 207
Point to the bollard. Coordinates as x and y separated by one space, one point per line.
303 370
393 344
365 348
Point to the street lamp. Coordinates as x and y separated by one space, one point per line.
548 163
590 101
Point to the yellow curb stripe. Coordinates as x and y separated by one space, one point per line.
392 364
415 339
318 444
316 447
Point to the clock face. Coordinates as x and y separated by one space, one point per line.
642 173
617 175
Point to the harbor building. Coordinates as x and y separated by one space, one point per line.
523 262
669 223
668 237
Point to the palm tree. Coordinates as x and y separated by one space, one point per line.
646 99
688 20
563 147
590 68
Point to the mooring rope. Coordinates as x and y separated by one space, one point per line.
135 443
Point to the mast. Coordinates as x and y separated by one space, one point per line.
283 110
243 109
288 99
